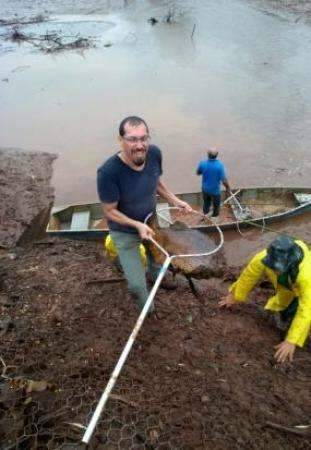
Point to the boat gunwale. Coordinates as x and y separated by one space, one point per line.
225 226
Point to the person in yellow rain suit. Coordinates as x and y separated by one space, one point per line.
287 264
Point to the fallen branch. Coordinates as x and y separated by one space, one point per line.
76 425
80 43
193 30
106 280
5 368
301 430
124 400
53 415
44 243
50 43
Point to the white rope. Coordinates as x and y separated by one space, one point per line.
251 222
264 226
105 395
237 222
165 208
243 210
233 195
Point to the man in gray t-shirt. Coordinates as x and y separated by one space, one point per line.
128 183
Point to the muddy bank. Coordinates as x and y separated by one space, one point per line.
196 378
26 195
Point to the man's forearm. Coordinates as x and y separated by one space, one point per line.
166 193
226 184
115 215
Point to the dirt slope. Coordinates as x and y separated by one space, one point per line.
197 378
26 195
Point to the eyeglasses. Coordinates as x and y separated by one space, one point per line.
135 140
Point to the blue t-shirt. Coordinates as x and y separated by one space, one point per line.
213 173
135 191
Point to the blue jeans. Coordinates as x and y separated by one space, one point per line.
127 245
209 199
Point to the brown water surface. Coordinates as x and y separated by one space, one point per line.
239 248
241 82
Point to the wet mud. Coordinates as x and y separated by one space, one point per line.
196 378
26 195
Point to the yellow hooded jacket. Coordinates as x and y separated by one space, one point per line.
301 288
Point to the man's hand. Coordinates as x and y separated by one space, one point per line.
144 231
228 193
184 206
285 350
227 301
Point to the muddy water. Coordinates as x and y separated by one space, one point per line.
241 82
239 248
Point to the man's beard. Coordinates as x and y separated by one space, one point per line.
139 160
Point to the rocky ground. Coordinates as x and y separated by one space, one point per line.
197 377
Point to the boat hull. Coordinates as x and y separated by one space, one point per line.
73 221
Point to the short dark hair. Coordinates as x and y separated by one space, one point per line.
134 121
212 154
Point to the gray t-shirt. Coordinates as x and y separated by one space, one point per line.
135 191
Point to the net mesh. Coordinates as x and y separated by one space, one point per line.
65 318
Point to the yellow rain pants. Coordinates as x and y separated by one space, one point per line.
112 252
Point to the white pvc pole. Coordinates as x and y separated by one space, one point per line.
98 411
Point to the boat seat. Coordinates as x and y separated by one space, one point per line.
80 220
302 198
164 217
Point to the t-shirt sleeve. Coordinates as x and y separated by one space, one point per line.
107 187
158 155
223 174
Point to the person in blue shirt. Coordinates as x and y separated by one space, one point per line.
213 175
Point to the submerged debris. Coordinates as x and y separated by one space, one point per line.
169 18
17 36
51 42
80 43
153 20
